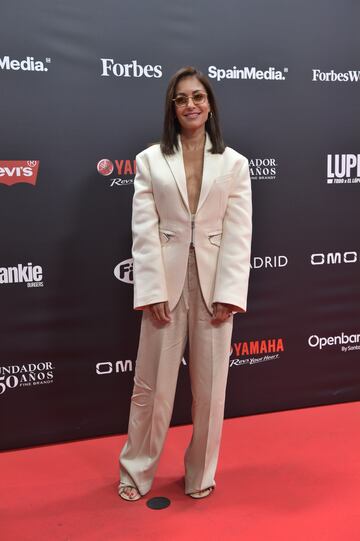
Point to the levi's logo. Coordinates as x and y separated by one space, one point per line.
14 172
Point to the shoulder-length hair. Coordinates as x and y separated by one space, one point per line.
169 139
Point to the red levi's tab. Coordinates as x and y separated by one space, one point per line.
14 172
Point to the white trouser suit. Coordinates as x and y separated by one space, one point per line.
161 345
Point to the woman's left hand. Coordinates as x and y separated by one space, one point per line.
221 312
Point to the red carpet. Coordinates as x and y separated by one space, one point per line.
289 476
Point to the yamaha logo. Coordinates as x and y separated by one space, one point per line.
105 167
256 351
122 172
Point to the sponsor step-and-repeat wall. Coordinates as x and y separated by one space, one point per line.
82 90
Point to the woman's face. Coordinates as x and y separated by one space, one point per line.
191 117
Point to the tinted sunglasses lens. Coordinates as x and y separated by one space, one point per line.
198 98
181 101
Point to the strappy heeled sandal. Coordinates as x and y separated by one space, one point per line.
125 496
202 493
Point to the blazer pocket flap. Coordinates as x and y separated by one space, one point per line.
165 235
215 237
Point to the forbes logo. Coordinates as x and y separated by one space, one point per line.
110 67
124 271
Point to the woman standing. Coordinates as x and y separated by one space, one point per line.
191 249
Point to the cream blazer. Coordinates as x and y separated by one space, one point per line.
162 230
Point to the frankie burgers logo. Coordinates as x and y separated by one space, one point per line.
31 275
119 172
16 172
124 271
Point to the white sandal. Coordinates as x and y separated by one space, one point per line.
202 493
126 496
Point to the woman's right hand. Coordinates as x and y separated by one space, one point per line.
160 312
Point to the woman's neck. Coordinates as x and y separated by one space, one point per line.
193 140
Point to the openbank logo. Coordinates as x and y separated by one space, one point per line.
335 258
343 168
350 76
263 169
27 64
120 174
26 375
124 271
348 342
246 73
134 69
105 368
256 351
28 274
13 172
268 262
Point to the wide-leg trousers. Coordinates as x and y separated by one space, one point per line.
160 352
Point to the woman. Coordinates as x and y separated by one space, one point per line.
191 249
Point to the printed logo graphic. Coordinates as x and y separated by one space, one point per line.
268 262
263 169
256 351
105 368
270 74
343 168
13 172
134 69
347 342
31 275
124 271
27 64
105 167
334 258
26 375
351 76
124 171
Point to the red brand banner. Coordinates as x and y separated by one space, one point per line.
13 172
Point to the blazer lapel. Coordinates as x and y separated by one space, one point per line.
211 169
176 164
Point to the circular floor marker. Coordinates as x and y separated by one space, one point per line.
158 503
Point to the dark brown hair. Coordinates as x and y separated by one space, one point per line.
169 139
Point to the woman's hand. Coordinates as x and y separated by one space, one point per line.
221 312
160 312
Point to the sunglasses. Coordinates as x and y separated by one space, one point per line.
198 99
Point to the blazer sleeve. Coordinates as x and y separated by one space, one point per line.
149 275
233 268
